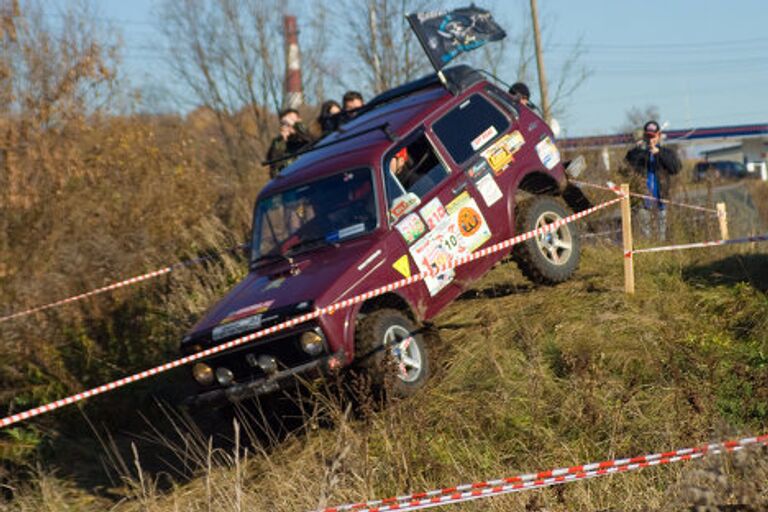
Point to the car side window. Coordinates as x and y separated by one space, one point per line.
470 127
411 171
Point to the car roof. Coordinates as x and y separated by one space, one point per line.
399 109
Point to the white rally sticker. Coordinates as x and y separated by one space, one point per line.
460 233
548 153
484 137
432 252
488 189
411 227
433 212
250 323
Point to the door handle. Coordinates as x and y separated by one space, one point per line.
458 189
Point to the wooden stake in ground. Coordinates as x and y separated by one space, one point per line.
626 235
722 216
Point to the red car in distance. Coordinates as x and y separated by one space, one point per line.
423 174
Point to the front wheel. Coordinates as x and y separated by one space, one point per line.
551 257
392 351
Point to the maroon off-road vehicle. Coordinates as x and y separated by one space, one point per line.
423 174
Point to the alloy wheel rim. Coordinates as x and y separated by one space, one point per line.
556 245
404 352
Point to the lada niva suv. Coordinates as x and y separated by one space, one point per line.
424 174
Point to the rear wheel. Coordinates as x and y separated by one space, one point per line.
391 350
551 257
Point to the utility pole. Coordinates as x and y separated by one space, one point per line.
540 63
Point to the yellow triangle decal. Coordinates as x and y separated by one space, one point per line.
403 266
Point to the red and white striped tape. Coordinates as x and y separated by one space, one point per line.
617 190
330 309
110 287
74 298
697 245
489 488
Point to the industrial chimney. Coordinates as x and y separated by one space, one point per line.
294 95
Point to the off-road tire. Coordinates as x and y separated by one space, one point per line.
550 258
379 341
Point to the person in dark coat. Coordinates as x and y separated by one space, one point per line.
293 137
329 117
656 164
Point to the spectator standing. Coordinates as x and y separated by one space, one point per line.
352 100
329 117
521 93
656 164
293 137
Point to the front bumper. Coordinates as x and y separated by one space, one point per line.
269 384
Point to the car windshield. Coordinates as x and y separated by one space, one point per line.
326 211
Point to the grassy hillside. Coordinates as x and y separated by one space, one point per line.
524 379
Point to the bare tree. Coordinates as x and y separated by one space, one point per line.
636 117
382 39
229 54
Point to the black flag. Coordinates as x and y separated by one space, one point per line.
446 34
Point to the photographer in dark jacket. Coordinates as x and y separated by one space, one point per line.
293 137
657 165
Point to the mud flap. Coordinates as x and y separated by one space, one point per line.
575 198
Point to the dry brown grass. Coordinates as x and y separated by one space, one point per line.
525 379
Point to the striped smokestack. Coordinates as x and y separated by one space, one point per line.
294 96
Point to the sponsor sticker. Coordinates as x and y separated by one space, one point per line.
346 232
502 152
484 137
411 227
457 202
469 223
261 307
433 212
478 170
431 252
548 153
460 233
403 266
403 205
245 324
488 189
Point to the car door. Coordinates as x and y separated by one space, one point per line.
481 141
422 190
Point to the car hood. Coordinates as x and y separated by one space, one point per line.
277 293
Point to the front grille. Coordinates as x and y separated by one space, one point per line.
286 350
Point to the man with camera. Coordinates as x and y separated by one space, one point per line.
657 165
293 137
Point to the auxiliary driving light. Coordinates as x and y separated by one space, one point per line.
225 376
203 374
268 364
311 343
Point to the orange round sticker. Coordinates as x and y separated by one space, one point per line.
469 221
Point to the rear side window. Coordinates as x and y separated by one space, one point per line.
470 127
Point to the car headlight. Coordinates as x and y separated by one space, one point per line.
312 342
225 376
203 374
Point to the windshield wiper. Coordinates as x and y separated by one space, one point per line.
270 256
308 243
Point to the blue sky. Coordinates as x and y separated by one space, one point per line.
702 63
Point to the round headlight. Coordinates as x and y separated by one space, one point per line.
225 376
311 343
203 374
